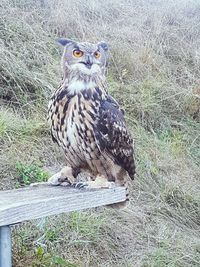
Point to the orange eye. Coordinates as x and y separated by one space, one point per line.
77 53
97 54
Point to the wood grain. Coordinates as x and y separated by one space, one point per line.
35 202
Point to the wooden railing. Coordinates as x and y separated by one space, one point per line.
29 203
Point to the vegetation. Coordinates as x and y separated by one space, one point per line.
154 73
29 174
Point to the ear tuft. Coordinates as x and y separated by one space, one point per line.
104 45
64 41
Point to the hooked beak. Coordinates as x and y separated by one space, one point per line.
88 63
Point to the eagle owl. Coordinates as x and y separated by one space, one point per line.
87 122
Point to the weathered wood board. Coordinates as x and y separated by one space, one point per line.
29 203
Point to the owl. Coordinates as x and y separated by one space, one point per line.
87 122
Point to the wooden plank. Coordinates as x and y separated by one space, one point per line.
36 202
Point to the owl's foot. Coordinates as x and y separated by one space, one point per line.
63 177
99 182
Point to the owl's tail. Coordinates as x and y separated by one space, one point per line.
131 170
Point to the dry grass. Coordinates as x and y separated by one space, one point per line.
154 73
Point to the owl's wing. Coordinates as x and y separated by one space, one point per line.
113 137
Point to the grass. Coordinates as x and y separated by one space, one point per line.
28 174
46 260
154 74
13 125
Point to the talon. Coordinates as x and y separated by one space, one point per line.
80 185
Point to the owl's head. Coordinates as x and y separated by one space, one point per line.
86 58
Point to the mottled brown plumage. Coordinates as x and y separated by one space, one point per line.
87 122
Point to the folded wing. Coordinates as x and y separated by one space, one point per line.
113 137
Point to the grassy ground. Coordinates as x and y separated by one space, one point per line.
154 73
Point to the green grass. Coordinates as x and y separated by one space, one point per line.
27 174
12 125
45 260
160 259
86 226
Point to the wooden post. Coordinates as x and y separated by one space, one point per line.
29 203
5 247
